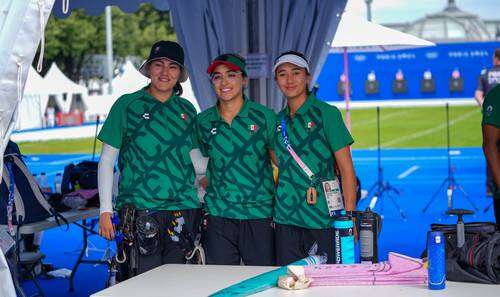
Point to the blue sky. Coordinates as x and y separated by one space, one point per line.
390 11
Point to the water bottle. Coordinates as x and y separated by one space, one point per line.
44 183
437 265
343 232
57 183
368 236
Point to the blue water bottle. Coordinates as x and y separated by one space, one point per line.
437 265
343 231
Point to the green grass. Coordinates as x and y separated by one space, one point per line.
400 128
81 145
417 127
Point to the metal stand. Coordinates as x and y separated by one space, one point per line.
488 207
383 187
95 137
449 182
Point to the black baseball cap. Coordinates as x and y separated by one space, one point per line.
166 50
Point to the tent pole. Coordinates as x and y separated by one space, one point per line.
109 50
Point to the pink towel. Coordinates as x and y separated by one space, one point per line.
85 194
398 269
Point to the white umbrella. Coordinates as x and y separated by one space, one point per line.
355 34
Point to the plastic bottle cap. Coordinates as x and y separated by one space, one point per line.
438 239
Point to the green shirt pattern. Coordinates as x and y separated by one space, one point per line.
491 107
154 139
239 170
315 133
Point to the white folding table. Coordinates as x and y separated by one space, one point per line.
198 280
73 216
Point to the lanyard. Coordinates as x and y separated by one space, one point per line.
10 202
297 159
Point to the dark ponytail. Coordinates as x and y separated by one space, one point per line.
178 89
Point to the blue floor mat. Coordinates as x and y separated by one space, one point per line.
416 173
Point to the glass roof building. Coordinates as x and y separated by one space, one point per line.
451 25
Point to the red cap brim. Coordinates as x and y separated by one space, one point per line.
229 65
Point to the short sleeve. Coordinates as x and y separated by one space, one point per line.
480 83
336 132
199 137
491 108
192 116
113 129
271 129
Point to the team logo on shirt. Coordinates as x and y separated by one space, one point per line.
489 110
184 116
213 131
253 127
278 128
310 125
146 116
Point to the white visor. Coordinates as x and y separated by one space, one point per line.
293 59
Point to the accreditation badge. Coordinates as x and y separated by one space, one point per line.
333 196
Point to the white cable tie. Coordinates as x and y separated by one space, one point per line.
65 6
39 65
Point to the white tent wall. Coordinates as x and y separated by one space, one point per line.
34 103
32 111
22 23
21 30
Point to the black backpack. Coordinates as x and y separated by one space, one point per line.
29 203
478 261
80 176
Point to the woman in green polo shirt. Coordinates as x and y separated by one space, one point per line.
311 139
152 133
237 135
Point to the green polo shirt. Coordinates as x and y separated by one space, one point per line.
491 107
239 170
154 139
316 132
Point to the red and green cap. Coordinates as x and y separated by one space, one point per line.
232 61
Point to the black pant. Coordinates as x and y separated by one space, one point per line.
496 208
230 241
170 249
294 243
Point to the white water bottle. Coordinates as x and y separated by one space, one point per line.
44 183
57 183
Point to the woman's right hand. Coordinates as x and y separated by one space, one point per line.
106 227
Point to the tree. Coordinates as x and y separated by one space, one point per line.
72 41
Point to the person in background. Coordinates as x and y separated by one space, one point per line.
491 144
487 81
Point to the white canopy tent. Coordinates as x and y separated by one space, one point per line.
35 99
129 81
63 87
355 34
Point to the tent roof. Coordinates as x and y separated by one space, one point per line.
132 80
57 82
358 34
35 84
129 81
